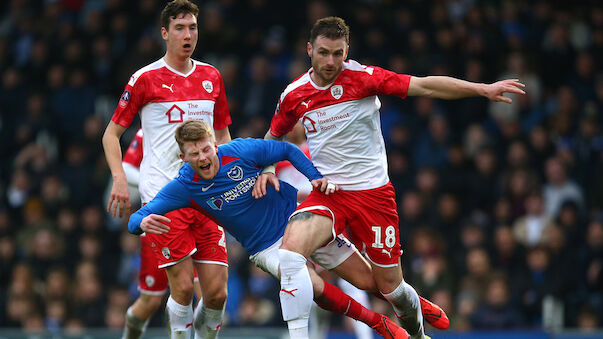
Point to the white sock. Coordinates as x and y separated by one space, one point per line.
362 330
207 321
180 319
296 293
135 326
407 306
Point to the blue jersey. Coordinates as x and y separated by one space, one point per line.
227 199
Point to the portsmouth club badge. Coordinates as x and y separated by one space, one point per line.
209 87
235 173
337 91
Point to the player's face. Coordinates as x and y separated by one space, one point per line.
181 37
327 58
203 157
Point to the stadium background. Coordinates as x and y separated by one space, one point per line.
500 205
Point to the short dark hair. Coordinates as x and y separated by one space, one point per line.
175 8
192 130
331 27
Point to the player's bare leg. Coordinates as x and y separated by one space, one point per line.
210 310
138 315
304 234
179 305
403 298
357 271
332 298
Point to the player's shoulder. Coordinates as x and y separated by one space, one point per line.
295 88
201 66
353 66
186 173
141 73
236 146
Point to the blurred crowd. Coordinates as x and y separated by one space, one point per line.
500 205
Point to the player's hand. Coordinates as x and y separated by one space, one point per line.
120 195
325 186
259 189
496 90
155 224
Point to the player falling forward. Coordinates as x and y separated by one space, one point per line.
336 101
152 281
219 181
165 93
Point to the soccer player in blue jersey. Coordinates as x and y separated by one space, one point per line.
218 181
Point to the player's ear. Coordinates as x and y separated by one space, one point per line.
164 33
309 47
182 156
345 53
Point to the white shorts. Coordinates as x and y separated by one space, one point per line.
328 256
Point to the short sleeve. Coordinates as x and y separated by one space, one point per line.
132 99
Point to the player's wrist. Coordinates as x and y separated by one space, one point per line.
269 169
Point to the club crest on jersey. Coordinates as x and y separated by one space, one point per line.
337 91
209 87
215 203
125 98
235 173
149 280
166 252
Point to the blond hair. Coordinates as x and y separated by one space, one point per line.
192 130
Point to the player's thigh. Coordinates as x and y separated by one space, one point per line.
306 232
357 271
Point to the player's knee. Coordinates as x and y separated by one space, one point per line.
182 289
150 303
216 299
388 284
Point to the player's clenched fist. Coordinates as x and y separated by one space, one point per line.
155 224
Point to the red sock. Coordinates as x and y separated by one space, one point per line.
333 299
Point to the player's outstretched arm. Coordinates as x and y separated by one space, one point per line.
444 87
120 194
172 196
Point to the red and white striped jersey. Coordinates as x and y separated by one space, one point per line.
164 98
342 122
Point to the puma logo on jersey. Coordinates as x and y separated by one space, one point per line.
168 87
387 252
306 103
204 189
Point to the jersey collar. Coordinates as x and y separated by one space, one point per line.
180 73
